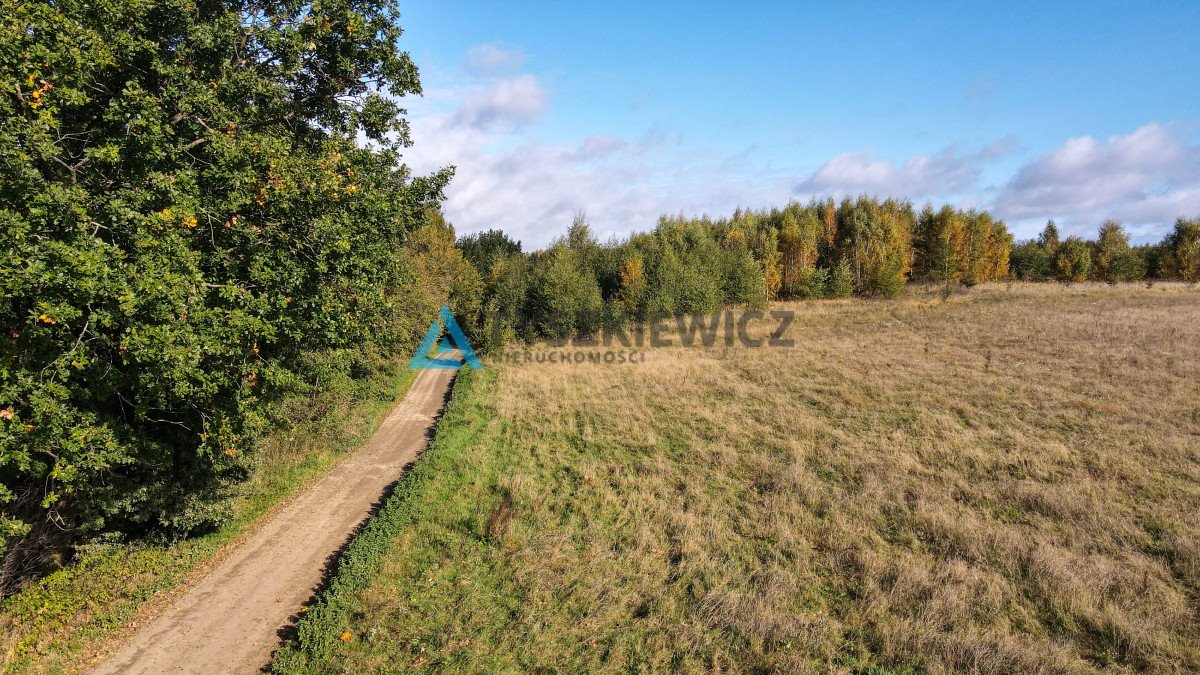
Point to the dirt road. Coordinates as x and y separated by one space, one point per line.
229 621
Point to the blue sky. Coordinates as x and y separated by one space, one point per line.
1077 112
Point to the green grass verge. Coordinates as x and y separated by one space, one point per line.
320 633
59 623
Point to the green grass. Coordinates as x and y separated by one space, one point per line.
59 623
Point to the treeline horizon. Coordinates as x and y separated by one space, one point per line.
1110 257
864 246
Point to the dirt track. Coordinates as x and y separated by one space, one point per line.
230 620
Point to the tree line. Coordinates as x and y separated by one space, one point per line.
1110 257
578 286
822 249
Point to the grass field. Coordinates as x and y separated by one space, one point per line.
1007 480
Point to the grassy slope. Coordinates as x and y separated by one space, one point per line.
59 623
1005 481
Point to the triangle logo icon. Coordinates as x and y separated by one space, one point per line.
443 338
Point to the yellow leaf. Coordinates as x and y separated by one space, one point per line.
346 636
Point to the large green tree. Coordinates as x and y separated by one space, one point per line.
195 196
940 245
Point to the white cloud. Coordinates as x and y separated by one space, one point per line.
597 146
1144 179
508 177
943 175
491 58
511 102
532 189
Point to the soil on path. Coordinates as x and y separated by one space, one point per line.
230 621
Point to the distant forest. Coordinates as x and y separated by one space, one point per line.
822 249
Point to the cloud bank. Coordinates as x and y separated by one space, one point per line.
510 104
943 175
487 124
509 177
1144 179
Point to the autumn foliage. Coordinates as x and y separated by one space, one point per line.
823 249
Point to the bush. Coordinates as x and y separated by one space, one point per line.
1128 265
1112 259
565 299
1030 261
813 283
1073 261
885 282
1182 259
841 281
504 303
743 281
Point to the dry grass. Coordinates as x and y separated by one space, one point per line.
1005 481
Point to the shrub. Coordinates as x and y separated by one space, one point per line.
1127 265
1112 259
841 281
813 283
565 300
743 280
1073 261
887 281
486 249
1030 261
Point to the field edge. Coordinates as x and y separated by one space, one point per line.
326 623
